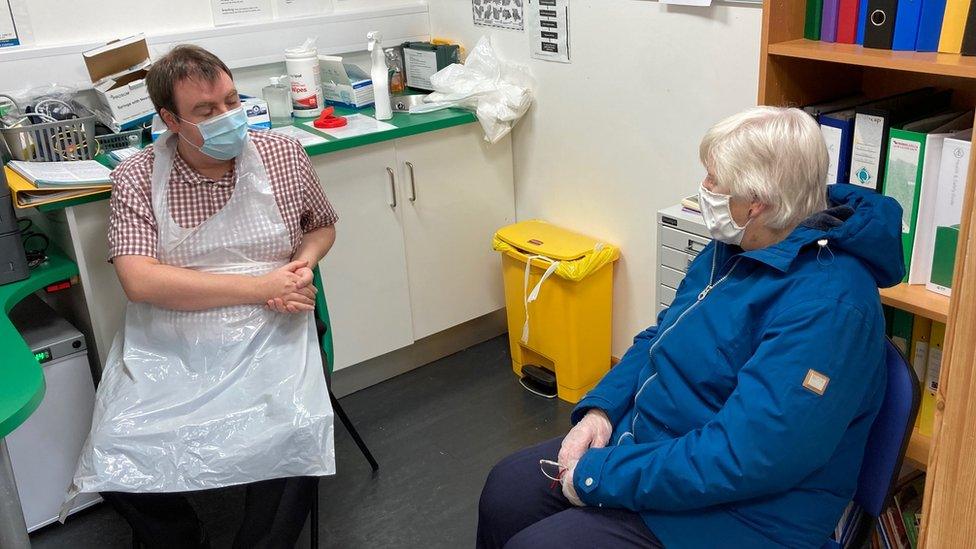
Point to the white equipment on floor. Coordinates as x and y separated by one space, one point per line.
44 450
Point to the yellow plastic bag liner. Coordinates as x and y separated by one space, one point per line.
575 256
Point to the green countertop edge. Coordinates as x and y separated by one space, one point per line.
406 126
21 377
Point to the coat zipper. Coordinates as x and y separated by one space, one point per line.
701 296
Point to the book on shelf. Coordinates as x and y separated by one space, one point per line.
919 355
923 246
901 330
909 158
945 26
930 25
874 120
947 211
926 411
953 26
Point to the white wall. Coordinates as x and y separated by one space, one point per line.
242 47
614 136
68 22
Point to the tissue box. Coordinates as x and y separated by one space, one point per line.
117 71
345 84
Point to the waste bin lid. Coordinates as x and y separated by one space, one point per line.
541 238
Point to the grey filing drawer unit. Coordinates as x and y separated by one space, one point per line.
681 235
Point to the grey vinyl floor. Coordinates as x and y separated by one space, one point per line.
436 432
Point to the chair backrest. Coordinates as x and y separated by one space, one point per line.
322 315
889 434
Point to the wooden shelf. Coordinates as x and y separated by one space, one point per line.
944 64
916 299
918 450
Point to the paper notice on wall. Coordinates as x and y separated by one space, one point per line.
549 29
290 9
699 3
14 25
233 12
502 14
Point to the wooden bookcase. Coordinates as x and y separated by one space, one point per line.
793 72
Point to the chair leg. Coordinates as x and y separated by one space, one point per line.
352 431
314 518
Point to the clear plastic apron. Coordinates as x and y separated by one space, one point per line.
195 400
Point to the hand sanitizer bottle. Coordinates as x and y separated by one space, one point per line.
381 77
278 96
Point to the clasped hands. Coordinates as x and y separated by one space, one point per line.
593 431
288 289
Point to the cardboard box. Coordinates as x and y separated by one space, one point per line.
257 112
117 71
345 84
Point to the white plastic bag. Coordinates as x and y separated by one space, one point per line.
498 91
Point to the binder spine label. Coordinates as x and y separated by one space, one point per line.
866 151
832 136
903 158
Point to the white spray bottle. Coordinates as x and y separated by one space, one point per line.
380 75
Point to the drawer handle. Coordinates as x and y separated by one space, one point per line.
691 247
392 201
413 184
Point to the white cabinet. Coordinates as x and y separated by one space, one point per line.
365 273
681 235
413 250
459 190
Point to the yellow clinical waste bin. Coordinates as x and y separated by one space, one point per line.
563 282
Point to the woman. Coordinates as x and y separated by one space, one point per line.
740 420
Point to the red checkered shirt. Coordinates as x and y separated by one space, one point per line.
193 198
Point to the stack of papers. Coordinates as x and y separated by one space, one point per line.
26 194
81 173
357 124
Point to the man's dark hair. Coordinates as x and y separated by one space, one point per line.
184 62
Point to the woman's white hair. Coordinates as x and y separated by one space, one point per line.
773 155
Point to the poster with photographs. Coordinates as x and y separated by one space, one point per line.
501 14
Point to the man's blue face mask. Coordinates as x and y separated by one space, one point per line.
223 135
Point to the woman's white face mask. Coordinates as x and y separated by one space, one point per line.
717 212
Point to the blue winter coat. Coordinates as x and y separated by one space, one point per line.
717 442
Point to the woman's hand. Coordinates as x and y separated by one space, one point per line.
593 431
569 489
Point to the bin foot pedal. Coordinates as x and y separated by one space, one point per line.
538 381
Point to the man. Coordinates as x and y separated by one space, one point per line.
741 419
216 377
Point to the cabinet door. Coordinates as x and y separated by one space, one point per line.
365 273
463 191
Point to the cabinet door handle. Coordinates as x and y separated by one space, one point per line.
393 200
413 184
